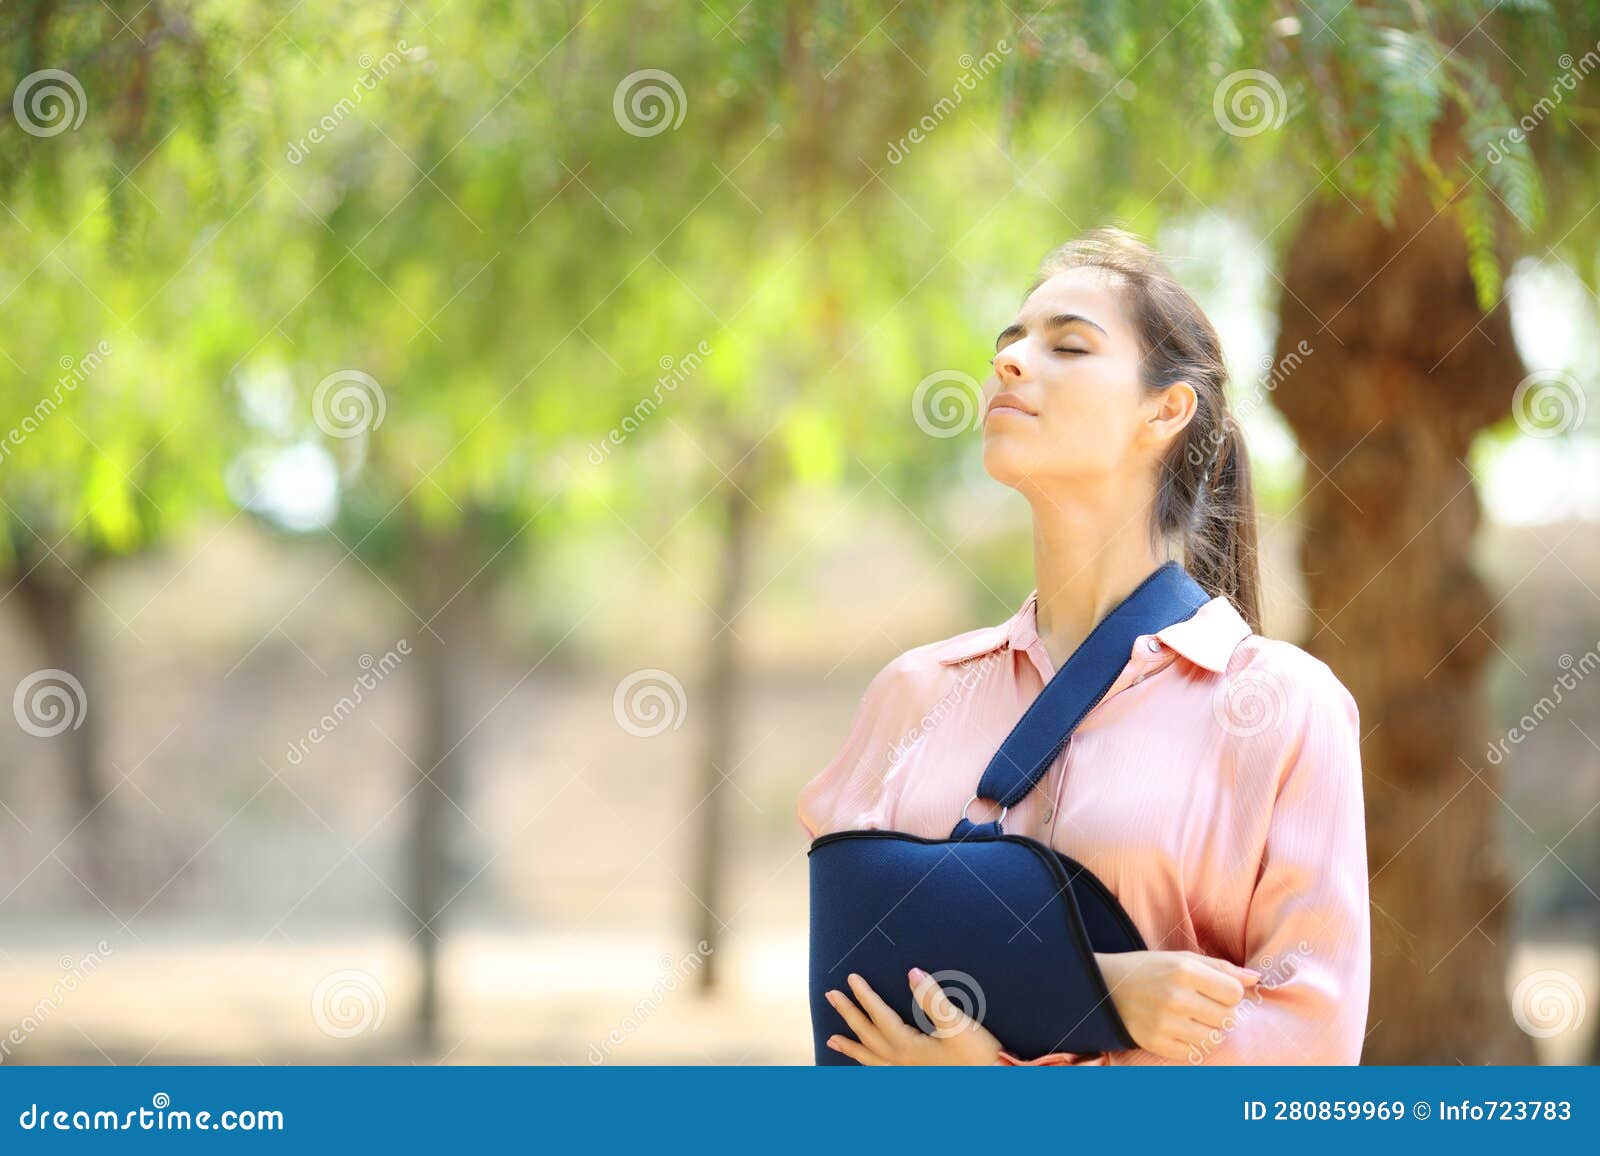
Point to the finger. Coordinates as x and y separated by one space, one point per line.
1218 985
885 1017
1245 975
930 996
858 1021
1186 1036
1204 1010
1201 1037
856 1052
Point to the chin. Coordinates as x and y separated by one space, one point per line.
1001 461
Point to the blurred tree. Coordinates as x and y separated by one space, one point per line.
466 277
425 269
1399 294
109 448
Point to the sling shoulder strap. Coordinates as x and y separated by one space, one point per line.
1168 596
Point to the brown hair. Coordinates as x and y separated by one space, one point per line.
1204 497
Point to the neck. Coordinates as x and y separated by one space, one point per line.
1091 548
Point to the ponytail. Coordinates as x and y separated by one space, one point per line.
1219 544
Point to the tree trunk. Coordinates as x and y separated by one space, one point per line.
55 610
1403 370
442 589
719 709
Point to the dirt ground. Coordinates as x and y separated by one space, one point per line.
534 999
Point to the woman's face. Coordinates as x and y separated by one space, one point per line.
1064 402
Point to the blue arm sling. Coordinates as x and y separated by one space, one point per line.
1006 924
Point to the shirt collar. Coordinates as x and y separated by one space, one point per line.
1207 638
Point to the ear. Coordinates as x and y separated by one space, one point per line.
1168 412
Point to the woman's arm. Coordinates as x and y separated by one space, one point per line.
1307 930
1168 1000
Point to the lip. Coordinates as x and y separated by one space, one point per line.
1007 402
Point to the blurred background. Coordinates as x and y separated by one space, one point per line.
461 463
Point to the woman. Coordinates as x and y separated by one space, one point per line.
1216 788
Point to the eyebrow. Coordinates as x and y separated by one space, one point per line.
1017 329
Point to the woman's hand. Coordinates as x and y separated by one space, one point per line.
883 1038
1172 1000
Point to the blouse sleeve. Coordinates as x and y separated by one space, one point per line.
1307 928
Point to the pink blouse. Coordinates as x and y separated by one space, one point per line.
1216 790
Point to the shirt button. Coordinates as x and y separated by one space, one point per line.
1048 811
1154 645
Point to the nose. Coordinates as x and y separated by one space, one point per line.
1008 364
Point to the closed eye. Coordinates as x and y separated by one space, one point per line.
1066 350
